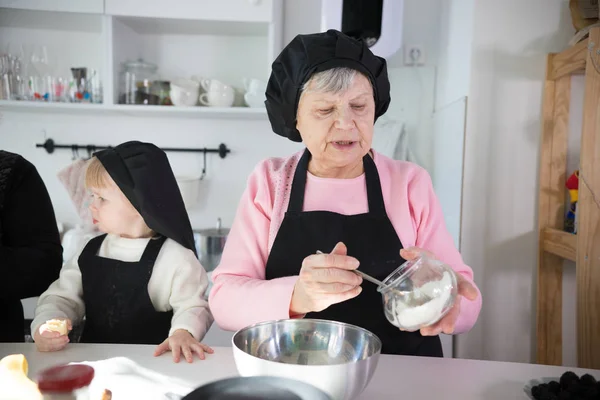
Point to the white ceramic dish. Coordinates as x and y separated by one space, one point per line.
255 100
535 382
184 92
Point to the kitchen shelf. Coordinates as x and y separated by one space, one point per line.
229 40
135 110
70 6
560 243
169 26
556 246
222 11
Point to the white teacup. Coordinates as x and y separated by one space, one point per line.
184 92
218 94
254 86
255 100
214 98
213 85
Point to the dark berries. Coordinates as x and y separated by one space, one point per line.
568 387
568 378
554 387
588 380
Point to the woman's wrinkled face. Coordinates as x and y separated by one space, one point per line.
337 128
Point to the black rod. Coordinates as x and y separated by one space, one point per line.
50 146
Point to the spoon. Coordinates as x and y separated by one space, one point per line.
363 275
423 298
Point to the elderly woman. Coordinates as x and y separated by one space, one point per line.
337 196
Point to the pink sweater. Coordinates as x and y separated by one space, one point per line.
241 296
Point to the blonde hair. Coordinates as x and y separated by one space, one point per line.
96 175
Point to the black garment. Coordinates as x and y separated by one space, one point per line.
369 237
118 308
30 249
144 175
317 52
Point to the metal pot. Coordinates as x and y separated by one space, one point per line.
210 244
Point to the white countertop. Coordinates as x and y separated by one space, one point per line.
415 377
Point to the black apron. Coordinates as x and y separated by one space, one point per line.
12 321
369 237
118 308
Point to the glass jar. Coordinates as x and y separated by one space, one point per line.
418 293
66 382
162 89
135 83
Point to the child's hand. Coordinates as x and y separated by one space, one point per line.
181 341
48 340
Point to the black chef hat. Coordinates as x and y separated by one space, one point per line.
307 54
144 175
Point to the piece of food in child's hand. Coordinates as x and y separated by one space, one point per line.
106 395
56 325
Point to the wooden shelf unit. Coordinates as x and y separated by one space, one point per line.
556 245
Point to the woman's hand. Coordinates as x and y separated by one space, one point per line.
325 279
47 340
181 341
465 289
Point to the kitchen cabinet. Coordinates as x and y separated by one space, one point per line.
71 6
208 10
227 40
49 43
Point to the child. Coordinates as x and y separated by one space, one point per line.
141 282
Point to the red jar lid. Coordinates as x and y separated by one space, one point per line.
65 378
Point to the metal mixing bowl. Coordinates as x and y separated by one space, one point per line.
337 358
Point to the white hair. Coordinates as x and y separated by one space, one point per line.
334 80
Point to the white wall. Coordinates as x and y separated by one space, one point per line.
499 226
455 44
421 25
451 90
412 92
250 141
569 315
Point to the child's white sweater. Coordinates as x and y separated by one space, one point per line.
178 283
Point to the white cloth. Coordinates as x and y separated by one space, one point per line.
128 380
73 179
178 283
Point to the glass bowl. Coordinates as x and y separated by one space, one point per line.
418 293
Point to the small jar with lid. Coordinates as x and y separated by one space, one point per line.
135 83
161 89
66 382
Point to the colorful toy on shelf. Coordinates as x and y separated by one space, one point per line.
572 185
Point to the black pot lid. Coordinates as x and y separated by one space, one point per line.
257 388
